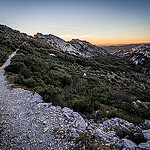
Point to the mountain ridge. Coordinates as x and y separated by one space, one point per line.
75 46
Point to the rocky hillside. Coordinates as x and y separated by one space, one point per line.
141 56
101 89
27 122
125 50
75 46
86 49
10 40
138 53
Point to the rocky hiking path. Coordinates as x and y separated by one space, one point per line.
27 123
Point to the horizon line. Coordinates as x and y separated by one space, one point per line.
109 44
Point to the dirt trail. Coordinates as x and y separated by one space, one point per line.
26 122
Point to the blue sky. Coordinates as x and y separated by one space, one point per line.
97 21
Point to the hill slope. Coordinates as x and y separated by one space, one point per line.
27 122
75 46
108 85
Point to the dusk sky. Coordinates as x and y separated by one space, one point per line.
97 21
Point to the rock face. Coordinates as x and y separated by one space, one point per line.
146 134
128 144
144 146
86 49
141 56
75 46
76 120
147 123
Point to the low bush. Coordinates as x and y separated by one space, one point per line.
83 105
30 82
119 95
133 135
15 67
51 94
88 141
19 79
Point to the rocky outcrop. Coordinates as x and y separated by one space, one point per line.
87 49
141 56
76 120
146 134
128 144
144 146
75 46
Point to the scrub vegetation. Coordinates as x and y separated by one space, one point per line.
96 87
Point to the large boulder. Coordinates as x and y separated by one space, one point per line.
146 134
67 112
128 145
144 146
79 121
74 118
147 123
36 98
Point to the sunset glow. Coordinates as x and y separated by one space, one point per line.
97 21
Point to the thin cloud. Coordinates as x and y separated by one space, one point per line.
64 36
84 36
64 27
74 36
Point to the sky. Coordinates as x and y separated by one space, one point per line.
97 21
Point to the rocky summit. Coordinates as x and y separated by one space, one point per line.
75 46
141 56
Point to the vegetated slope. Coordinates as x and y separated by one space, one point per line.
109 85
27 122
9 41
75 46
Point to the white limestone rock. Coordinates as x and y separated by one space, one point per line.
79 122
144 146
75 46
128 145
146 134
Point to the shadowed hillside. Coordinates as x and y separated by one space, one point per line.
108 85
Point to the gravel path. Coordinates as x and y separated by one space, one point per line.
26 122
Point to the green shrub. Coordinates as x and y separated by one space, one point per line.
66 80
83 105
100 94
30 82
19 79
51 94
15 67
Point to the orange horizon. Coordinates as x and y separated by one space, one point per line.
104 40
114 42
120 43
111 40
